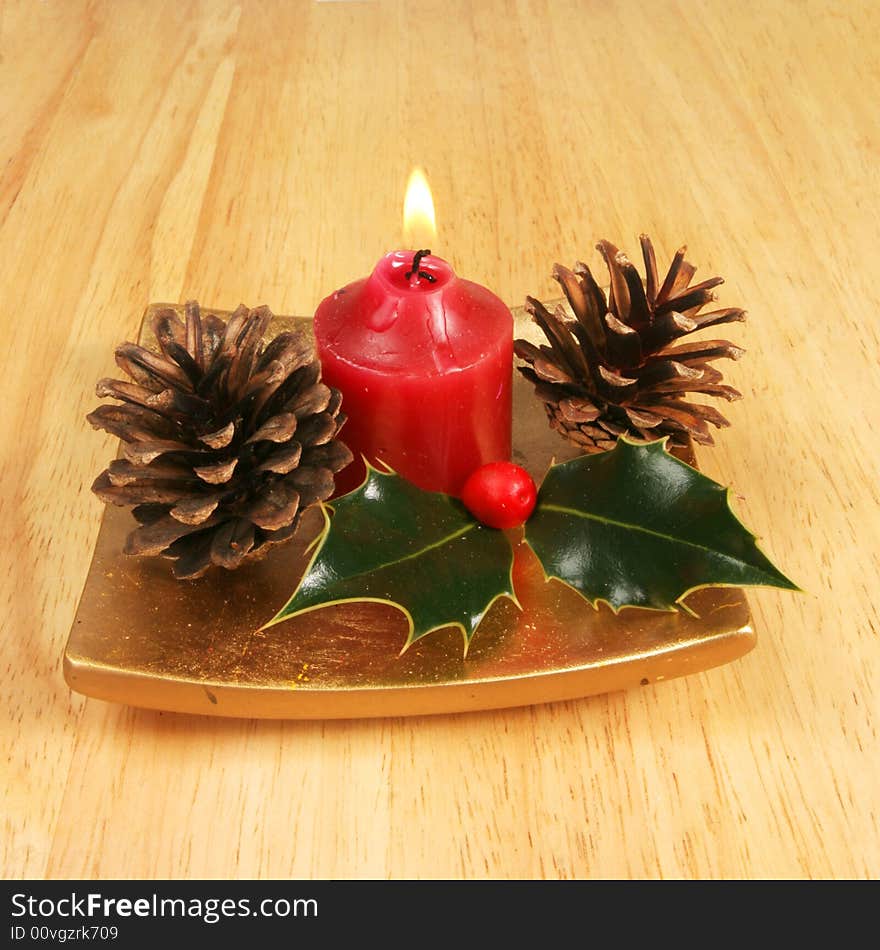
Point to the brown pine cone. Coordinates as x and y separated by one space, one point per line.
226 439
620 366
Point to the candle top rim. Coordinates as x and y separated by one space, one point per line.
411 329
395 272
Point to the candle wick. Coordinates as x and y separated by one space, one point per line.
417 259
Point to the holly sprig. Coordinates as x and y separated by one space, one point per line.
631 527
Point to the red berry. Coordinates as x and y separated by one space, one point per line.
500 495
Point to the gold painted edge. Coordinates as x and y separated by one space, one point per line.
245 700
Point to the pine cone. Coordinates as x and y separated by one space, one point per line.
225 440
619 367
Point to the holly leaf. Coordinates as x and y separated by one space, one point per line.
635 527
391 542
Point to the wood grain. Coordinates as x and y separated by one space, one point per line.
256 152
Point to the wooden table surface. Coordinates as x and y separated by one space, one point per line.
257 152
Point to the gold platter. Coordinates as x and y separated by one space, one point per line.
144 639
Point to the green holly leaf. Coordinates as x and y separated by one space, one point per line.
391 542
635 527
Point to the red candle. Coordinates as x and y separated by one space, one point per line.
424 362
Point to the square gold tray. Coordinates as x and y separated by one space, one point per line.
144 639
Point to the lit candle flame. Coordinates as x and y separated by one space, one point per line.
419 227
